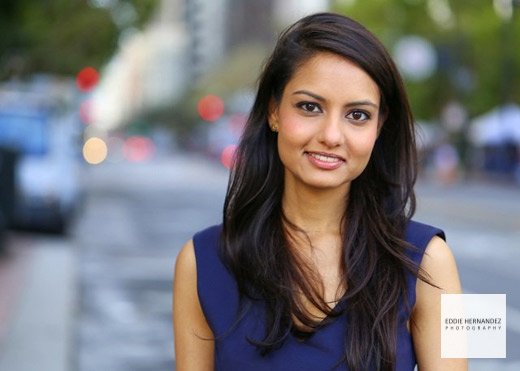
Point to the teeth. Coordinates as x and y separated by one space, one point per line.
324 158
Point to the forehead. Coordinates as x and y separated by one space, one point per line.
333 74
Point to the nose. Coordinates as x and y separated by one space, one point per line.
331 133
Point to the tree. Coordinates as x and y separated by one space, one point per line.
61 36
477 51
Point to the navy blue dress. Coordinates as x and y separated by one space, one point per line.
218 296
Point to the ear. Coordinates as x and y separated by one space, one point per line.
272 115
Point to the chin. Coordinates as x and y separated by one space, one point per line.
327 185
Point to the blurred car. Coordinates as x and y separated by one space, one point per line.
47 189
8 159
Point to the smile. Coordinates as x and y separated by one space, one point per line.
325 157
325 161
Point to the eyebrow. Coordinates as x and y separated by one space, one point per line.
365 102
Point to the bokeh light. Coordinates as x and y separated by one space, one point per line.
87 78
85 111
228 155
95 151
237 122
138 148
210 108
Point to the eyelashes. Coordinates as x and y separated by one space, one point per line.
358 115
309 107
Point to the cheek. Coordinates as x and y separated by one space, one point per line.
364 144
292 131
291 124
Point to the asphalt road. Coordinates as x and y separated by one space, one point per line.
136 219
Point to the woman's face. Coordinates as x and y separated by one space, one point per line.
328 119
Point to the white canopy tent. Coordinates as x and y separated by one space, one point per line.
498 126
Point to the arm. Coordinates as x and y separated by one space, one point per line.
438 262
191 330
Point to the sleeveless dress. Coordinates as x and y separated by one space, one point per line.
219 299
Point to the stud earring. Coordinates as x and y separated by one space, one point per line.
274 127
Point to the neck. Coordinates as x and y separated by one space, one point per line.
315 211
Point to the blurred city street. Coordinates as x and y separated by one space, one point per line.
100 299
117 129
135 221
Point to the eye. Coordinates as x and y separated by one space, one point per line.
309 107
358 115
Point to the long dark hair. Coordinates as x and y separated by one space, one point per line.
255 243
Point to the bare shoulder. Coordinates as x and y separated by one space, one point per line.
438 251
194 347
440 268
185 274
440 265
186 263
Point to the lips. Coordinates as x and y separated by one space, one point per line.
325 161
325 157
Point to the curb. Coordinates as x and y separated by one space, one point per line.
40 334
14 269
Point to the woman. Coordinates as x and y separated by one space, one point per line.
317 265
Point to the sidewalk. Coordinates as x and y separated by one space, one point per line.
37 305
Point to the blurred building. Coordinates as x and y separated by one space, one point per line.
289 11
149 70
216 27
166 61
260 21
250 22
184 40
206 23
